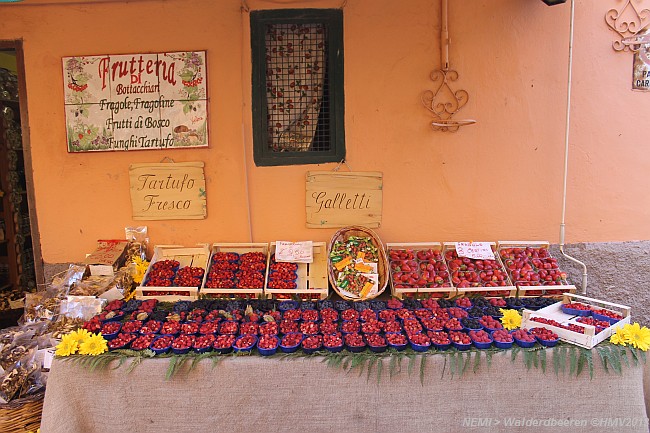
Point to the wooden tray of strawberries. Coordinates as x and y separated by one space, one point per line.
532 268
418 269
175 273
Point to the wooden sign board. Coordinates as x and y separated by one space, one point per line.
168 191
336 199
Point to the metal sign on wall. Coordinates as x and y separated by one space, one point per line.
168 191
136 101
337 199
641 68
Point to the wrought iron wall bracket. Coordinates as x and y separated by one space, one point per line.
443 102
627 22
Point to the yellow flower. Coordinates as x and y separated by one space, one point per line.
68 346
79 336
511 319
619 337
637 336
93 345
139 269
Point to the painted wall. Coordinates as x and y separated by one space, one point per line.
498 179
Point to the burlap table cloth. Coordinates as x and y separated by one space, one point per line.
254 394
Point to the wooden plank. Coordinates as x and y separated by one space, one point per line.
317 278
168 191
335 199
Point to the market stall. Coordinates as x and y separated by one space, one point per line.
475 321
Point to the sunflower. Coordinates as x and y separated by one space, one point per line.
68 346
637 336
619 337
511 319
79 336
93 345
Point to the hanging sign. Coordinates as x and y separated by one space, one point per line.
168 191
337 199
474 250
135 101
641 67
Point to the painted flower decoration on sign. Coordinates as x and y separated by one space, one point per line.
191 76
77 79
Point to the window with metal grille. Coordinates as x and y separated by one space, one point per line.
298 112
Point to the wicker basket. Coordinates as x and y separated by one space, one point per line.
22 415
382 265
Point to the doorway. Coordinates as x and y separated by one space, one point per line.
21 265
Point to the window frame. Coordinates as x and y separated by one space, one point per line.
333 19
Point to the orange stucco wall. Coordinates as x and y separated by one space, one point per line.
498 179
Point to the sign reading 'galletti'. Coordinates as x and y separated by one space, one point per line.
168 191
337 199
135 101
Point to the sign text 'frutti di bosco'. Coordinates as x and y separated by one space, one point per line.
136 101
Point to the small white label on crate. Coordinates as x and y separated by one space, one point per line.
294 252
475 250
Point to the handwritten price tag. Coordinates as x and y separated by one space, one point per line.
475 250
294 252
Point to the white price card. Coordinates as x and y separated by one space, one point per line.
475 250
294 252
45 357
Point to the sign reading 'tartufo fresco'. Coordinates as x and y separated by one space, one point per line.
136 101
167 191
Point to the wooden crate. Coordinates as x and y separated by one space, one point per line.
312 277
554 312
418 292
186 256
235 292
509 290
555 291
